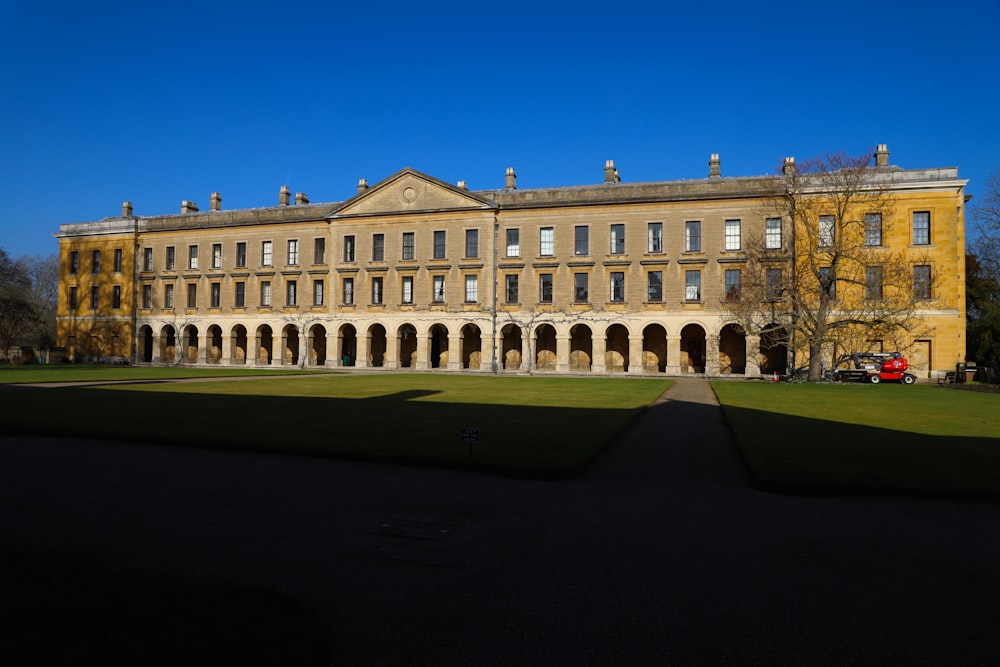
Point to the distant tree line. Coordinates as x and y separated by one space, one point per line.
29 287
982 292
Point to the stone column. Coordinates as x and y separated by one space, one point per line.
753 355
635 355
454 352
527 363
157 346
599 348
391 350
563 343
712 355
363 345
673 355
333 353
227 349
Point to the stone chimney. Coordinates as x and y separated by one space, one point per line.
362 185
462 185
611 172
126 209
510 179
188 207
714 164
788 168
215 204
301 199
284 196
882 156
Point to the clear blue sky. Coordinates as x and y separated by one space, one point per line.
163 101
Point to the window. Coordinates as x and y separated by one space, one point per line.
873 282
692 285
348 291
922 281
147 296
265 293
95 261
192 257
440 244
95 297
654 286
319 251
168 296
581 287
546 243
772 284
147 259
72 298
240 300
438 289
827 231
513 242
772 234
692 236
266 254
407 245
241 254
293 251
734 278
318 287
617 239
377 290
169 260
921 228
215 295
407 289
472 243
471 289
617 286
827 282
873 229
378 247
545 288
216 255
292 293
581 242
74 262
511 288
192 301
118 260
733 241
116 297
654 234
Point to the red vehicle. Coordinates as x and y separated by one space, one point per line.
873 367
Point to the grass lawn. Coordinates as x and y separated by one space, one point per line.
827 437
30 373
528 425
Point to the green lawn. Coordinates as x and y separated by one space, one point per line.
826 437
30 373
528 425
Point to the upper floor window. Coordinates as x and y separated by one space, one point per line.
118 260
873 229
581 287
407 295
94 297
471 289
318 292
617 239
216 255
95 261
348 291
692 236
292 293
319 251
545 287
241 254
772 234
438 282
74 262
692 285
407 245
169 260
265 293
827 231
654 233
293 251
472 243
147 296
922 281
873 282
377 284
546 242
240 297
827 282
921 228
147 259
617 286
440 244
192 257
773 284
348 248
215 296
733 240
266 253
72 298
513 243
378 247
168 296
734 279
511 288
654 286
192 294
581 242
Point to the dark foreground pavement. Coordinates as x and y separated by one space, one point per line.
663 554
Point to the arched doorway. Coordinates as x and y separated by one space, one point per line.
347 339
168 344
407 336
191 344
439 346
472 341
732 350
693 349
239 345
545 347
581 348
654 349
376 346
290 345
213 354
265 345
774 349
317 345
510 347
616 349
146 343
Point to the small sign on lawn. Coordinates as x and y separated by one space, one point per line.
470 436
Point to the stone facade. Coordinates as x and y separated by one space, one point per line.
416 273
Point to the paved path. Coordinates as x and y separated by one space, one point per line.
662 554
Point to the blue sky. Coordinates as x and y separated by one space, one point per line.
159 102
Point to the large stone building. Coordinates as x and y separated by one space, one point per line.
417 273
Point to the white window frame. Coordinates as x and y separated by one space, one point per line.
266 253
692 285
772 234
546 241
654 238
617 239
513 242
692 236
293 252
733 240
438 293
471 289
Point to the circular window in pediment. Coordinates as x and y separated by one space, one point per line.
409 194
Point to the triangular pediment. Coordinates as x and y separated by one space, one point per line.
410 191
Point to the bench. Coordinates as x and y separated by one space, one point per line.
949 378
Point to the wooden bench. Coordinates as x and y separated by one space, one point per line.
949 378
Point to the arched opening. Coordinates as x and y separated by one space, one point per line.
654 349
407 336
213 354
616 349
239 345
693 349
145 352
510 347
347 339
168 344
290 345
439 346
732 349
472 342
581 348
774 349
265 345
191 344
317 345
376 346
545 347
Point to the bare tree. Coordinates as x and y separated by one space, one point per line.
831 283
17 314
983 279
